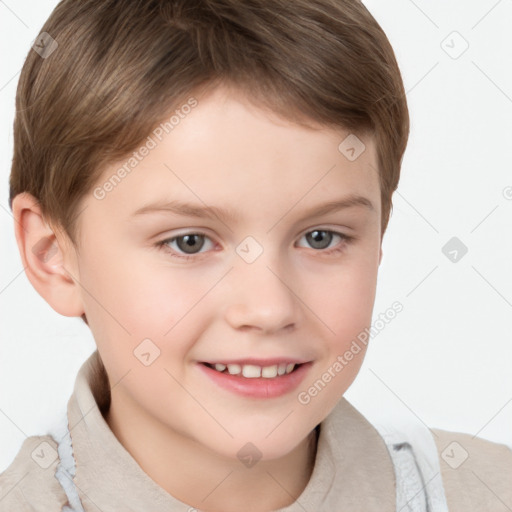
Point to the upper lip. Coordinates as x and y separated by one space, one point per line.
259 362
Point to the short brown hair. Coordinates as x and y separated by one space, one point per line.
121 65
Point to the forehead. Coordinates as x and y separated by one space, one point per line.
228 152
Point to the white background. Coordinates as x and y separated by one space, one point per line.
445 360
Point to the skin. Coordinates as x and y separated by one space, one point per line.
295 299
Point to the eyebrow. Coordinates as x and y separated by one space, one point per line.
229 215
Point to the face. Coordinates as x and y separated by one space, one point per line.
258 280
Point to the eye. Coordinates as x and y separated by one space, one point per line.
188 244
322 238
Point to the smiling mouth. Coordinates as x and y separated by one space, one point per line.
250 371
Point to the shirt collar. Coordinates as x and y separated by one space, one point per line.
353 469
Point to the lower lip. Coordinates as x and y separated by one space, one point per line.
258 387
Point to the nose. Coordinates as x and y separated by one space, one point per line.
262 297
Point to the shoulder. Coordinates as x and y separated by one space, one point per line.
29 483
476 473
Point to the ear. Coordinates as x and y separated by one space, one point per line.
46 255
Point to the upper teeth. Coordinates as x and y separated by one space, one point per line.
252 371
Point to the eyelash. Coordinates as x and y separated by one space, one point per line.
345 239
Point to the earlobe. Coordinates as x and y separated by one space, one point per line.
45 257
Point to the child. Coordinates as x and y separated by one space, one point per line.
256 129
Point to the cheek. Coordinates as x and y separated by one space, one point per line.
345 309
135 295
137 307
344 298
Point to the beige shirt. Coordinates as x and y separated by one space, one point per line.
353 469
